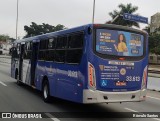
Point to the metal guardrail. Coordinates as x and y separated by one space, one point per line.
5 56
154 71
5 59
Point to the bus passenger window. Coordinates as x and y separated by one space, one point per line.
75 47
49 55
60 56
61 42
41 55
14 53
52 43
74 56
43 44
75 41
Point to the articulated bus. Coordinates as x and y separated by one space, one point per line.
93 63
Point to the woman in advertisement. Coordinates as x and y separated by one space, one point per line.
122 47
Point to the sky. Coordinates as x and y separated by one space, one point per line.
70 13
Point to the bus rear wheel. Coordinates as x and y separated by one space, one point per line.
19 82
46 92
16 77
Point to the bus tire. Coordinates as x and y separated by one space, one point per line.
46 92
16 77
19 82
16 74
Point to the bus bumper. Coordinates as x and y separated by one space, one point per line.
96 96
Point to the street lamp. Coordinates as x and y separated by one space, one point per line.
17 20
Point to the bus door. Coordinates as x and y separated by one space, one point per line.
14 62
21 62
34 58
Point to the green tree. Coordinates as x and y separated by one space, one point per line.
35 29
157 30
4 37
147 29
154 43
124 9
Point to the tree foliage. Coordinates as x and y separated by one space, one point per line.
35 29
4 37
154 43
129 8
154 40
147 29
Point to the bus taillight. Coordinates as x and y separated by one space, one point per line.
91 76
144 79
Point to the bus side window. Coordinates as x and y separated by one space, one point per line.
76 41
43 49
61 49
43 44
60 56
75 48
49 55
74 56
51 48
28 50
14 53
61 42
41 55
25 52
51 43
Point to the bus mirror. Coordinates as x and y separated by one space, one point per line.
89 30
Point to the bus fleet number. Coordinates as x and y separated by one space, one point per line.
132 78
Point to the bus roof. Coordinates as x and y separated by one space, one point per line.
65 31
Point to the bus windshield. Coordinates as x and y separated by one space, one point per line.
119 43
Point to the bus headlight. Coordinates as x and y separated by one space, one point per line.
91 76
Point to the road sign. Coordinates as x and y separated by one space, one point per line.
135 18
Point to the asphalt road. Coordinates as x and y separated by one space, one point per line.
14 98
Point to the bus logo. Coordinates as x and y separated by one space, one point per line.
101 67
123 71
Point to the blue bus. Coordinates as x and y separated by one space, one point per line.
93 63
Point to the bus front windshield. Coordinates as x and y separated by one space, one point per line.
119 43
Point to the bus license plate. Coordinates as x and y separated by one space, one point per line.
120 83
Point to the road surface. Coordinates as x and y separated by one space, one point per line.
14 98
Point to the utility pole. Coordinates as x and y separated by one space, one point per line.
93 11
17 20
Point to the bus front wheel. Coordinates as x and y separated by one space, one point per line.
46 92
16 77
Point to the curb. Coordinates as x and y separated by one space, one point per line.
154 90
154 76
5 62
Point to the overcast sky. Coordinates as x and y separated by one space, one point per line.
70 13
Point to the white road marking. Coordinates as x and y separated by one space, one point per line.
3 83
156 119
154 97
140 113
131 110
52 117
